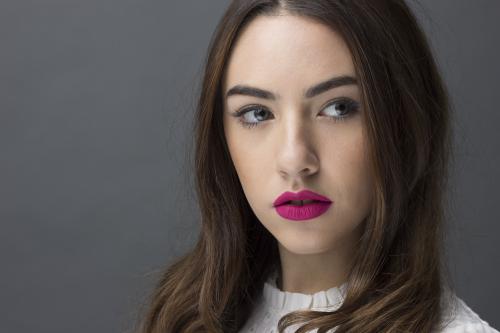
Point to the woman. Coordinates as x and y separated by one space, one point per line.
322 147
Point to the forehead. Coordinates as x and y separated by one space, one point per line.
287 50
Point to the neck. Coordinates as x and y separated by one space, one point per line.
310 273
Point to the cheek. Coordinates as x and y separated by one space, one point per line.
249 160
353 176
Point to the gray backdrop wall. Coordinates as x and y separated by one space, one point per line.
96 99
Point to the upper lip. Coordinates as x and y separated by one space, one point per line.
301 195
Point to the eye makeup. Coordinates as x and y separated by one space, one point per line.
343 107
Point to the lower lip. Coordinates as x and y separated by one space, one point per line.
301 213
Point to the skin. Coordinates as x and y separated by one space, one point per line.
298 145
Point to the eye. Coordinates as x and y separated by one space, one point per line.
251 116
341 108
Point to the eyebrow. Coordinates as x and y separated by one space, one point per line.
311 92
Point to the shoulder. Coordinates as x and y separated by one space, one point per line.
460 318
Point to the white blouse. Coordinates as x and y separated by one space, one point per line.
274 304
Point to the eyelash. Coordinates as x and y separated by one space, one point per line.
352 106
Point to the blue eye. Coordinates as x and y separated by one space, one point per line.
248 114
340 109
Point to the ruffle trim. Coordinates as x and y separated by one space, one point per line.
291 301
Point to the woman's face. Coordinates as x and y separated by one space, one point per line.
298 141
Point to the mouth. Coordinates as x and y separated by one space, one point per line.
302 210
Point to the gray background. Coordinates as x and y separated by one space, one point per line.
96 100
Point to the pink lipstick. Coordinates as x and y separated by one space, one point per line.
303 205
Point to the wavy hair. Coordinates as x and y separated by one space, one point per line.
399 280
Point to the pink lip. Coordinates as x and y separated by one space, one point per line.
305 212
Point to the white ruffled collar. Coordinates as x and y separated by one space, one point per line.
291 301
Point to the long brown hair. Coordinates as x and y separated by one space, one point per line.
399 279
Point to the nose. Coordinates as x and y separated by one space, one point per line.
296 157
